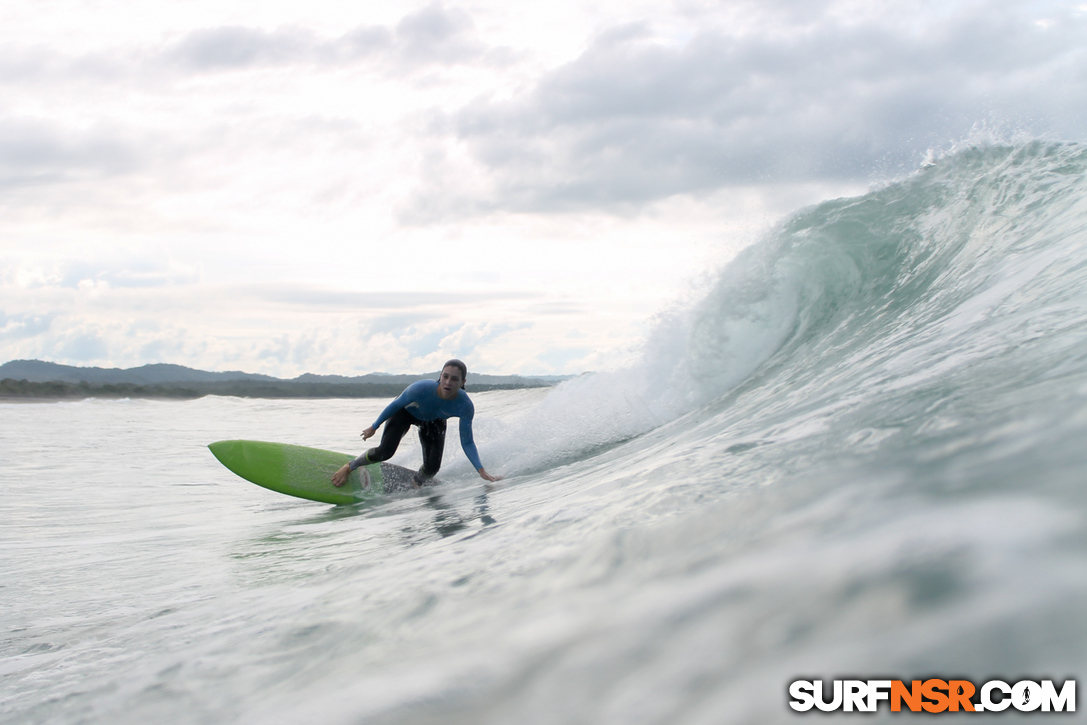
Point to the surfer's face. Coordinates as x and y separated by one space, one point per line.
449 383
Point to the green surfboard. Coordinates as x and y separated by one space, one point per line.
307 472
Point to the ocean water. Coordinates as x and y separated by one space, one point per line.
863 454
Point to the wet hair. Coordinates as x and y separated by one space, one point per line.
459 366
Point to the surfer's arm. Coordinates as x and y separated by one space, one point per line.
389 411
411 394
467 442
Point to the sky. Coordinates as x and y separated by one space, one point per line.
344 186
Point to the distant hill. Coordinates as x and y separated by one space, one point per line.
474 379
35 378
37 371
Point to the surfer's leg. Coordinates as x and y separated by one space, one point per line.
432 436
395 428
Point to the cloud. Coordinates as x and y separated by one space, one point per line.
559 358
279 348
388 324
119 273
36 151
637 118
37 64
22 326
422 342
433 36
316 297
466 339
83 347
234 47
118 270
139 116
426 340
165 348
422 345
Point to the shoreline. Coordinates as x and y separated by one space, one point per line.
24 392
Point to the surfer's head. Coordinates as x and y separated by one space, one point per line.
453 376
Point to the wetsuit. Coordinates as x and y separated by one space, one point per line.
420 405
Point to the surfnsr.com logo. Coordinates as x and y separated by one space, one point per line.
933 696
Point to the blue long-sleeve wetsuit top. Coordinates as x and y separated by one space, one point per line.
421 400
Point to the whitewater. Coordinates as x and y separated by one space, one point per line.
861 454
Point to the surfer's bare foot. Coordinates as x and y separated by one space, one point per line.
339 478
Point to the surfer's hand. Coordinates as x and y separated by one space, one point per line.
488 477
339 478
368 433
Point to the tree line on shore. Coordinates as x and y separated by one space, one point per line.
11 388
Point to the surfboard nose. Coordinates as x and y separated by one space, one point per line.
290 469
224 451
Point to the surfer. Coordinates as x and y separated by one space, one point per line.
427 404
